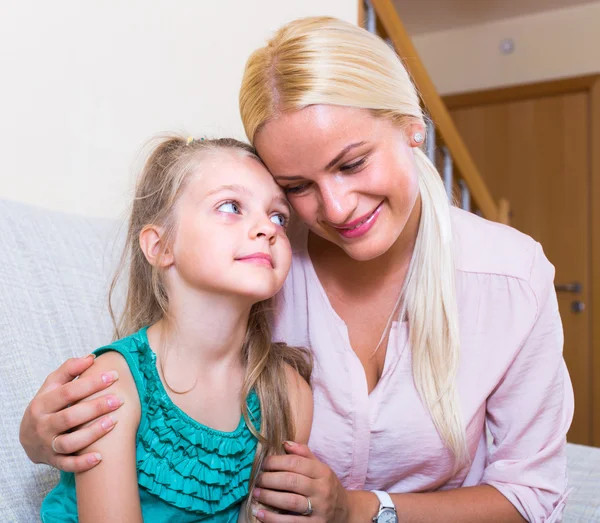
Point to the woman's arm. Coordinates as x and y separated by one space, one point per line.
48 417
529 414
109 491
463 505
300 474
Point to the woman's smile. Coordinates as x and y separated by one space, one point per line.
361 226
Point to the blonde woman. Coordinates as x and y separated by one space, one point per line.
427 324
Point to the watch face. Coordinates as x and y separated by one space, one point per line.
387 515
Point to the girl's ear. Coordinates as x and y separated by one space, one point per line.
151 243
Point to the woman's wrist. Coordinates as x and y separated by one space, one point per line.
360 507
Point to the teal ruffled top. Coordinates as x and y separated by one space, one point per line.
187 472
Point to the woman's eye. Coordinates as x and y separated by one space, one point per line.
352 166
229 207
279 219
296 189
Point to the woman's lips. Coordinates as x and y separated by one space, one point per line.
361 226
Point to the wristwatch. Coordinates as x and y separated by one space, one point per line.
387 509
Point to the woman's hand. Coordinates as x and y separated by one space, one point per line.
287 481
48 417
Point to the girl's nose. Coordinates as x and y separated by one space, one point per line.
264 227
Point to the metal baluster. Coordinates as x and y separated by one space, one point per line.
370 18
465 196
448 172
430 145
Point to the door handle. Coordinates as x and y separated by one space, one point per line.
574 287
577 306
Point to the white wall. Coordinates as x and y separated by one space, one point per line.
550 45
85 84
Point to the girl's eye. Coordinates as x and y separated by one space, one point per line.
279 219
229 207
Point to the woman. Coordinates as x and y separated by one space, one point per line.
427 324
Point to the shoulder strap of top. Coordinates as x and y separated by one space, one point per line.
134 349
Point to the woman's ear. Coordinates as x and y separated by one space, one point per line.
415 134
152 240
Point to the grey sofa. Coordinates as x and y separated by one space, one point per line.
54 274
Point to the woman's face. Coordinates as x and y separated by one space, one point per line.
350 176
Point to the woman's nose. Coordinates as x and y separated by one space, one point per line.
338 202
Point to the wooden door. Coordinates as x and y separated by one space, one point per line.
536 153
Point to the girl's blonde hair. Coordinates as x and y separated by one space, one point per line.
323 60
164 177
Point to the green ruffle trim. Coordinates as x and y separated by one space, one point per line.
187 464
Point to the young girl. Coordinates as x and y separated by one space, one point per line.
200 381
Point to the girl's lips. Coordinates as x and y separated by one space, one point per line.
361 226
259 258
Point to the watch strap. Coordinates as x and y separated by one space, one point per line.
384 498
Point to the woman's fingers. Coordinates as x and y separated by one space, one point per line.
71 442
75 441
76 463
80 414
292 463
35 433
58 398
299 449
289 482
289 478
49 416
282 500
267 516
67 372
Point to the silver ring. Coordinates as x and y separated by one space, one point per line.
52 445
309 510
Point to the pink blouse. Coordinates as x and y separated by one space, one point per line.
512 377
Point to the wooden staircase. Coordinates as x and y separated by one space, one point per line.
460 172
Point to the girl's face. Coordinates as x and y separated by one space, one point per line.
349 175
230 236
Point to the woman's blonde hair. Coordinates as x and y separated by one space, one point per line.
164 177
327 61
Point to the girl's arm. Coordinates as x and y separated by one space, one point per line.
301 404
109 491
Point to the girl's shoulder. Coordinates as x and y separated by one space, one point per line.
133 354
134 347
114 366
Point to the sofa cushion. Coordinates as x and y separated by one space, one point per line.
55 271
583 504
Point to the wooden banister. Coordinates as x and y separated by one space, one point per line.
388 17
504 211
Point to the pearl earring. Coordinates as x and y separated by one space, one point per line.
418 137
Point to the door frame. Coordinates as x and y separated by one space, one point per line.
589 84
